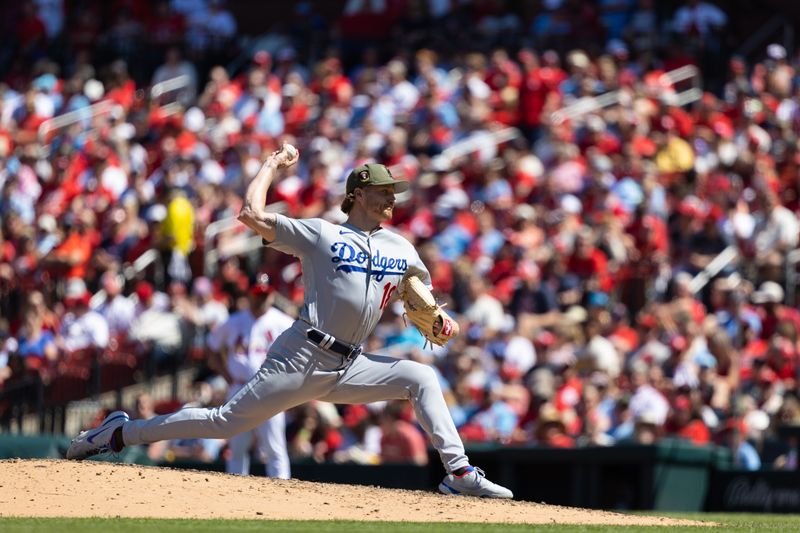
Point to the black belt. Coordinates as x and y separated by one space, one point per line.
329 342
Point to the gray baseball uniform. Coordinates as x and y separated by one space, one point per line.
349 277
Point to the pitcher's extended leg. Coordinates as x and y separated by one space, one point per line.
372 378
269 392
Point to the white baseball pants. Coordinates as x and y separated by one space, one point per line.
297 371
270 438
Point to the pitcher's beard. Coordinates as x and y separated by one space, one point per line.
386 212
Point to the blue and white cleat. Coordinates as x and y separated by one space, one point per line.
97 440
473 482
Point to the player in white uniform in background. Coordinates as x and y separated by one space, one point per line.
242 342
350 272
242 364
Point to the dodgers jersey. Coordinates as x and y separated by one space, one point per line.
349 275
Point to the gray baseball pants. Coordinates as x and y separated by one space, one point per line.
297 371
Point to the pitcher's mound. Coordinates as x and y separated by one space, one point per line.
40 488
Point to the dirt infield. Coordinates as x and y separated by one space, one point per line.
53 488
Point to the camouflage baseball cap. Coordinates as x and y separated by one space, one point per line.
373 174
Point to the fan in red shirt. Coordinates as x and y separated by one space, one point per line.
369 21
122 89
316 437
72 256
769 299
781 357
550 429
31 32
651 242
165 28
401 441
295 108
502 72
589 262
30 122
686 423
539 84
332 86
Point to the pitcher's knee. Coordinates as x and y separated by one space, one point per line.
424 377
224 425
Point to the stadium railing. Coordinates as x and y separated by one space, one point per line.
131 270
243 243
65 120
167 86
589 104
171 86
714 267
88 114
475 142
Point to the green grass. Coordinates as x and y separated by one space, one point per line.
738 522
729 522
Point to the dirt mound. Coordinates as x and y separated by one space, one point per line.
41 488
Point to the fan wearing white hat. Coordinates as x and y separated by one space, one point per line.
769 299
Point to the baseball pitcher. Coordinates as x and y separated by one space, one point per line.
350 272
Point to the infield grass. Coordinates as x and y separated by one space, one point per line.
728 522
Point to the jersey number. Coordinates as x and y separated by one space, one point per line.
388 290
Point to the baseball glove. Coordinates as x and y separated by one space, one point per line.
423 311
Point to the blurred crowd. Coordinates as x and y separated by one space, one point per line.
574 254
